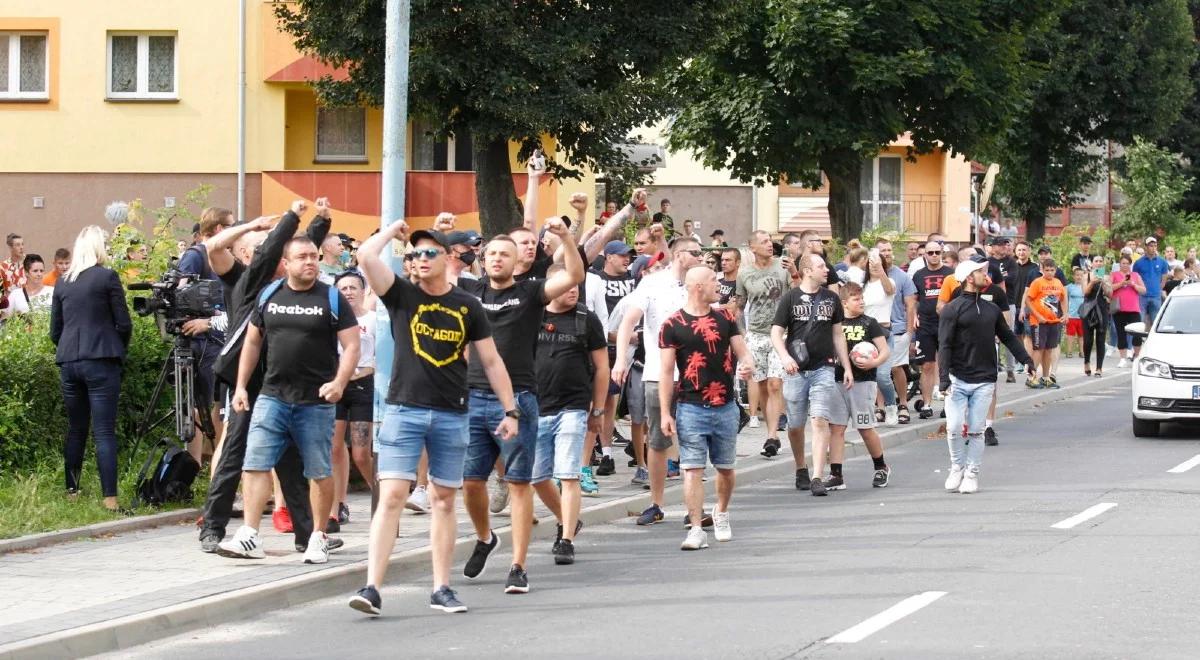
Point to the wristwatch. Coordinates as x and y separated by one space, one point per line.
596 412
515 413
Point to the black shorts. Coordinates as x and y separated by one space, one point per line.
613 388
1045 336
926 343
358 401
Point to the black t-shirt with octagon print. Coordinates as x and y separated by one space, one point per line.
431 334
703 355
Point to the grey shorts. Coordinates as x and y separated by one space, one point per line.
808 394
855 406
635 396
654 418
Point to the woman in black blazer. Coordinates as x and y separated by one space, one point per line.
90 325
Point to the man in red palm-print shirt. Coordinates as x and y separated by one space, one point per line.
701 341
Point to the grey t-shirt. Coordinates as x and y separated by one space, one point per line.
761 289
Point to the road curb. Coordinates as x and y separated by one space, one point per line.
35 541
245 604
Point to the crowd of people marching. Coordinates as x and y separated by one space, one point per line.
514 356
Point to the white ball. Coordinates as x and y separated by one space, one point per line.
866 350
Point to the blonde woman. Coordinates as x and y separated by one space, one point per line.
90 325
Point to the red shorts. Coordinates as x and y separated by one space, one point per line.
1074 327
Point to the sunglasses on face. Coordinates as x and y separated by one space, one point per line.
695 253
933 252
427 253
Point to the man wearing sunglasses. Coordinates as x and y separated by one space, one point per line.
928 282
426 404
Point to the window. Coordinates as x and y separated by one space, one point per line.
429 154
142 66
341 135
24 66
880 185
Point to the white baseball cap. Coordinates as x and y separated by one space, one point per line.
965 268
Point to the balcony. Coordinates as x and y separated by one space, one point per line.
915 214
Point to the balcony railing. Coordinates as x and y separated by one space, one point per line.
914 214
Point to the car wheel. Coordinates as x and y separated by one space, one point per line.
1145 428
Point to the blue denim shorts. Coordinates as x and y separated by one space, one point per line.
406 430
486 413
274 424
560 445
706 433
808 394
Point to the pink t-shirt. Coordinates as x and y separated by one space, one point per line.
1126 296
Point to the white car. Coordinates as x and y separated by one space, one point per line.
1166 375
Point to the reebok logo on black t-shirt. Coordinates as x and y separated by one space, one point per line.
295 310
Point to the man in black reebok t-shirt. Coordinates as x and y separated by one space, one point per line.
304 379
928 282
515 310
433 322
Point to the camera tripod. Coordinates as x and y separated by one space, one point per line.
179 367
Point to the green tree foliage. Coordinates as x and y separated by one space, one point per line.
581 73
795 88
1154 184
1184 137
1107 71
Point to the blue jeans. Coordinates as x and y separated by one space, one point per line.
406 430
275 423
883 376
559 451
90 389
485 414
1150 306
707 433
968 403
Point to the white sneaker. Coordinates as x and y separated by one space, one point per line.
753 422
937 394
1123 364
245 544
497 494
970 482
721 528
697 539
891 416
318 549
955 479
1109 351
418 501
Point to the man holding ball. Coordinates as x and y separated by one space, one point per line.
868 350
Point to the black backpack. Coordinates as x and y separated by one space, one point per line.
172 478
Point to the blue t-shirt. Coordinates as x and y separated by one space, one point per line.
1152 271
1074 300
904 288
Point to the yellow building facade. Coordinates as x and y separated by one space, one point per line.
139 99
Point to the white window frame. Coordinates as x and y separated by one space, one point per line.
871 217
143 68
451 149
14 92
318 157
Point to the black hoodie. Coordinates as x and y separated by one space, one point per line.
967 332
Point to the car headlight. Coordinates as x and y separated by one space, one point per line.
1153 368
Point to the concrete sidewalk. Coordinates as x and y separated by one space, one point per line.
104 594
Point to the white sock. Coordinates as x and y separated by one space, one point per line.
606 452
987 423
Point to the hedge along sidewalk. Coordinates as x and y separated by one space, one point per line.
96 596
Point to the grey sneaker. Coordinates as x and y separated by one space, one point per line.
817 487
497 494
641 477
446 600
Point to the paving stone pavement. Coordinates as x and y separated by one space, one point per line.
91 581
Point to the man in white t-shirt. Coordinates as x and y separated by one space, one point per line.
657 297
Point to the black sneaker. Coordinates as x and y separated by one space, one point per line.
209 539
802 479
817 488
989 437
479 557
367 601
607 467
617 438
706 520
942 414
834 483
564 553
1010 377
632 463
771 448
343 513
518 581
782 423
881 478
925 413
629 451
446 600
333 526
558 536
653 514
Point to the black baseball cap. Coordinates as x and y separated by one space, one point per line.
1045 249
1085 239
1000 240
716 233
435 236
468 237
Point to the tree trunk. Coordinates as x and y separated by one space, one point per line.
845 201
1035 218
499 208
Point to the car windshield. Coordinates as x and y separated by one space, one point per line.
1180 316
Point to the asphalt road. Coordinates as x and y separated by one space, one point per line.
805 577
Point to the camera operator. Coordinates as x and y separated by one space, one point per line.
208 334
244 280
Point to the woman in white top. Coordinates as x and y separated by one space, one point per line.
878 294
34 295
357 407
